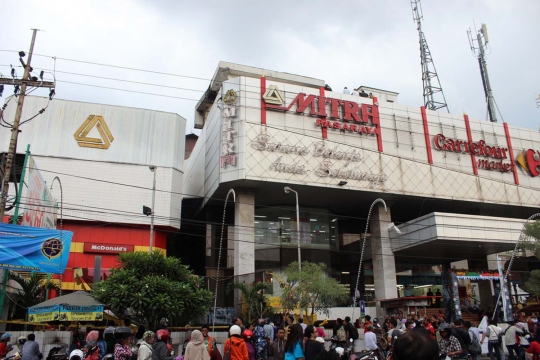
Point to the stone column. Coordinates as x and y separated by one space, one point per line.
384 265
244 241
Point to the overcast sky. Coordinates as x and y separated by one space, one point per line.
346 43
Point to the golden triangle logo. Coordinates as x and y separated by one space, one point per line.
230 97
273 96
81 135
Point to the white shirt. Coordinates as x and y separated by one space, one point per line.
355 93
304 326
370 340
475 330
510 335
346 91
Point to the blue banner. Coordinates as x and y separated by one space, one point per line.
24 248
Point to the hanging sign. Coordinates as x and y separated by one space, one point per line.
41 205
81 313
42 314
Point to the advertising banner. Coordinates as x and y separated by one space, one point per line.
41 208
24 248
81 313
42 314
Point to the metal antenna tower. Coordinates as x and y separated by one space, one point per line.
482 39
430 79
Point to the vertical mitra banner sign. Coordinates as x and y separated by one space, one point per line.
40 210
25 248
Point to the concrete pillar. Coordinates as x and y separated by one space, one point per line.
244 240
384 265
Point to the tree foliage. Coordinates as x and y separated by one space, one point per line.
151 286
31 292
253 298
531 241
310 287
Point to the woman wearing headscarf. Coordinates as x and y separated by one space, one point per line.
145 347
195 349
92 349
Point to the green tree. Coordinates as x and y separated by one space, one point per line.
253 298
31 292
311 287
151 287
531 241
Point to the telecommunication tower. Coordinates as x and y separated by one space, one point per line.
482 39
433 94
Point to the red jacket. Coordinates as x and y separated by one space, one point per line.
238 348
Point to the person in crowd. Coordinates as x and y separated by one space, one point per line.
534 348
524 339
240 322
438 299
312 347
363 94
159 348
408 326
289 320
277 348
346 91
462 335
429 327
370 95
122 348
494 346
355 92
301 322
415 345
208 340
347 326
510 334
102 345
327 87
392 327
473 333
385 326
196 349
260 340
367 322
145 347
320 329
4 341
370 339
377 330
269 330
337 326
248 339
30 349
293 346
235 345
448 344
76 354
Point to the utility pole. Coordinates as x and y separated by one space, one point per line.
430 80
482 34
23 83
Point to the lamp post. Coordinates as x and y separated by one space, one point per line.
61 225
154 170
288 190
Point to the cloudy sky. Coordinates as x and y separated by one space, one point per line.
346 43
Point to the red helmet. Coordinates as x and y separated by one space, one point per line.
162 335
248 335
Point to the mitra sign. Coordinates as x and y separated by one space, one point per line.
107 248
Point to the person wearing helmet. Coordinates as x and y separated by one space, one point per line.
76 354
122 349
145 347
4 340
196 350
235 346
159 349
91 350
449 344
248 338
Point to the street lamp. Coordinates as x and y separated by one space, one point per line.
287 191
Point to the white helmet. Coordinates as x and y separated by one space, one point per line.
235 330
76 355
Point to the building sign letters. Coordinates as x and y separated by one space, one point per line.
228 155
107 248
529 160
476 148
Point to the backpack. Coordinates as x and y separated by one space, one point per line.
341 334
475 348
353 332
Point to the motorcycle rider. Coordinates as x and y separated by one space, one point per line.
76 355
122 349
235 345
159 349
4 340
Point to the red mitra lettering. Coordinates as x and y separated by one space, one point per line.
351 111
476 148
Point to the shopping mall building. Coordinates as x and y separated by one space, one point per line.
101 156
459 189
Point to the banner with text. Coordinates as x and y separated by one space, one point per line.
41 208
24 248
81 313
41 314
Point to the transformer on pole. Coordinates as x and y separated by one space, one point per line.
433 94
482 39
